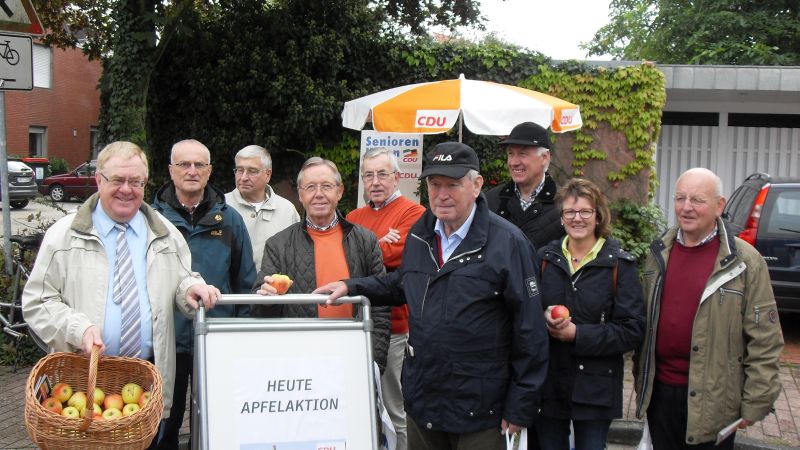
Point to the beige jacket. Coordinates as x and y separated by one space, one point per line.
274 215
736 339
66 292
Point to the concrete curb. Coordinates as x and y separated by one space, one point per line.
629 433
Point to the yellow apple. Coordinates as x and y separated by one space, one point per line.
113 401
112 414
71 412
99 395
281 283
130 408
96 411
131 393
62 391
78 400
52 404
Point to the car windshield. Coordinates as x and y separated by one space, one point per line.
16 166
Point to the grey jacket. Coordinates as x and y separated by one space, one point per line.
291 252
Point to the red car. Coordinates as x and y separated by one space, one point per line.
79 183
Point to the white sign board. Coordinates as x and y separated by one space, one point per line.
18 16
288 390
16 62
408 150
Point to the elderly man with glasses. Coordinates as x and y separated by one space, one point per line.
264 212
221 252
324 247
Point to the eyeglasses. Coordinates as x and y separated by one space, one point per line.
134 183
697 202
325 187
186 165
570 214
382 176
249 171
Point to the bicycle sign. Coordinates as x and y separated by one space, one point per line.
16 62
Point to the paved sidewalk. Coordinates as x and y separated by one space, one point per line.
779 430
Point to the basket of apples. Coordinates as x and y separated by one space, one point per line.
119 407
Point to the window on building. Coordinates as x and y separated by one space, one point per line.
764 120
95 146
37 141
42 66
690 118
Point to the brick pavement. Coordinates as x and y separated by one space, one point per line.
779 429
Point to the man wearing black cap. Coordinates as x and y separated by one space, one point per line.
527 200
477 347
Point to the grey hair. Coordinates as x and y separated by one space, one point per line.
189 141
473 174
255 151
375 152
541 151
317 161
702 170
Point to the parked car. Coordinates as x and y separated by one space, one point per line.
21 184
765 211
79 183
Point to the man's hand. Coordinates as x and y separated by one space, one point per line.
91 337
392 237
510 428
266 287
336 289
206 293
744 424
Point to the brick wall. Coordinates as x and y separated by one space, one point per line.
68 109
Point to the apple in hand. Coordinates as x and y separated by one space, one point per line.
71 412
559 311
131 393
144 399
112 414
130 408
99 395
281 283
62 391
78 400
52 404
113 401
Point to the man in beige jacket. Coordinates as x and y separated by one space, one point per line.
70 300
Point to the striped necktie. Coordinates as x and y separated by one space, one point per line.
126 294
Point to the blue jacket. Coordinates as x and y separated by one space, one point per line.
476 326
584 380
221 251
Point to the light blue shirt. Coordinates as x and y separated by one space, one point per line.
450 244
136 235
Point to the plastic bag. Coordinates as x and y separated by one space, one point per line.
388 435
645 443
519 439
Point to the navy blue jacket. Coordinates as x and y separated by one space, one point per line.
476 327
221 251
584 380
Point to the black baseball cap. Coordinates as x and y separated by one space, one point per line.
528 133
450 159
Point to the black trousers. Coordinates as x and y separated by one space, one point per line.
184 365
667 417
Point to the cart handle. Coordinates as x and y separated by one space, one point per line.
286 299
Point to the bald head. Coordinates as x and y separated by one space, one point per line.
698 203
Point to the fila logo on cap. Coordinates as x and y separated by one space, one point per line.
442 158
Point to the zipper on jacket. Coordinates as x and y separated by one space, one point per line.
757 313
603 318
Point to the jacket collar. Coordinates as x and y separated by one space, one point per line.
83 218
546 195
213 202
727 249
346 226
269 204
476 236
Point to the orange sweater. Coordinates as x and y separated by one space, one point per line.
399 214
330 262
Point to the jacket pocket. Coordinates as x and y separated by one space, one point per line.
479 387
593 388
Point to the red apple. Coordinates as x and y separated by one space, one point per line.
112 414
559 311
113 401
71 412
144 399
130 408
131 393
281 282
62 391
96 411
52 404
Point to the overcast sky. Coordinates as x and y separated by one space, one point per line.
554 28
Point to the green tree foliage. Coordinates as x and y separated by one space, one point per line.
764 32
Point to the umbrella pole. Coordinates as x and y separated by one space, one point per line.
460 125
